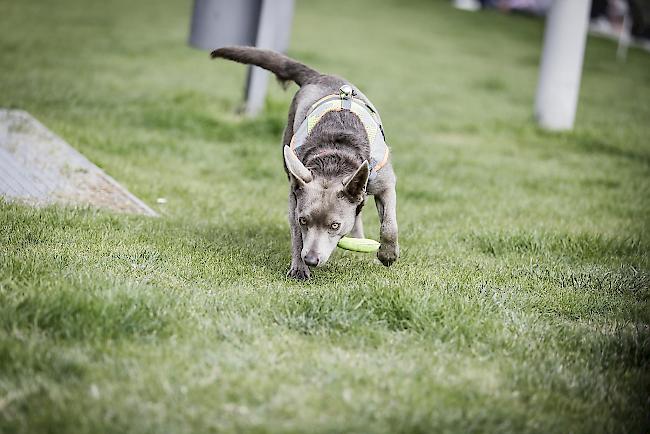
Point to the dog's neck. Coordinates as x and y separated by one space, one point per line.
332 163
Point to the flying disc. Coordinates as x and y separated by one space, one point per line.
363 245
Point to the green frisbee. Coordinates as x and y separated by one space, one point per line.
363 245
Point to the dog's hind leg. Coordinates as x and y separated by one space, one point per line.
298 270
357 230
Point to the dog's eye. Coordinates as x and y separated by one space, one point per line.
335 225
302 221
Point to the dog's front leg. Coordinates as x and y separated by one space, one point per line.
386 201
298 270
357 230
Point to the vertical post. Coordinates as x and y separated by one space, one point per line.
623 39
284 18
217 23
273 32
565 35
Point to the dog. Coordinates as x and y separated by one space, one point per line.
335 155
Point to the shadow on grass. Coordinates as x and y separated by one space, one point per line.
583 246
257 249
589 143
82 306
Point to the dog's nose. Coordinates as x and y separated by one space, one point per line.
311 259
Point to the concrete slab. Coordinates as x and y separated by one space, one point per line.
40 168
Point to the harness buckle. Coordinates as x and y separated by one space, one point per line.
346 92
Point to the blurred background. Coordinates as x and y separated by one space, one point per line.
628 19
456 90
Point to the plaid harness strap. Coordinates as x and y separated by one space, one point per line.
368 116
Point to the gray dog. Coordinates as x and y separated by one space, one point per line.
334 155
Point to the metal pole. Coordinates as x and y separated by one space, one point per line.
272 33
561 65
262 23
217 23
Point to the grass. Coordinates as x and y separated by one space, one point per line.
520 303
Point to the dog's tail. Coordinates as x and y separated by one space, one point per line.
282 66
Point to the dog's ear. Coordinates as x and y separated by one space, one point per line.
355 186
295 166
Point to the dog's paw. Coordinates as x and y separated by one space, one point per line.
300 272
388 253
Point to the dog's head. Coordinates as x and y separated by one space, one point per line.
326 208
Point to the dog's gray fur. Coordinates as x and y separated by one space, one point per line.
329 173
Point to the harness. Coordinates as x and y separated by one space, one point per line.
347 100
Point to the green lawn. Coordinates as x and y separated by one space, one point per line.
520 302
